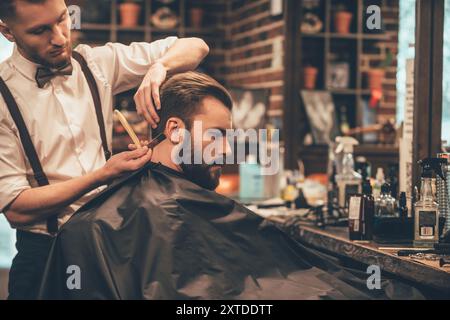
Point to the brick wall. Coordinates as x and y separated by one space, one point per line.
254 55
375 52
215 16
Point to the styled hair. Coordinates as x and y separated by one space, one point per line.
182 95
8 7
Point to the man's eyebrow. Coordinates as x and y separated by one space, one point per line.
45 25
222 130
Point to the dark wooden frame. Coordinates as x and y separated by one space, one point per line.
427 81
292 82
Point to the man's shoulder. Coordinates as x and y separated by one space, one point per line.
6 71
99 60
96 51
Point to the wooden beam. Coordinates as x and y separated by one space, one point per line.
292 114
427 81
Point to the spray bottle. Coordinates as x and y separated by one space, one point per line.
426 209
348 181
443 192
379 181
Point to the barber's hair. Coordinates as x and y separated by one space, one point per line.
182 95
8 7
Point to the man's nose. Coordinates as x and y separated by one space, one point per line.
58 37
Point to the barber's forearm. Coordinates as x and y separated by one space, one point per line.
184 55
37 204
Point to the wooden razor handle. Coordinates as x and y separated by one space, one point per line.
128 128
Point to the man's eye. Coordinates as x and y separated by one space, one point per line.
38 31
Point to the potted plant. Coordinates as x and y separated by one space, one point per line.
310 77
196 17
375 76
129 13
342 20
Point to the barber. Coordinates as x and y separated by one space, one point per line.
56 122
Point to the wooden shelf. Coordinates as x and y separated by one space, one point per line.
161 30
131 29
344 36
89 27
380 37
315 157
362 92
343 91
313 35
95 27
206 30
332 35
347 91
362 148
146 28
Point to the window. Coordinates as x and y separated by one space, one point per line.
6 233
446 77
406 40
5 48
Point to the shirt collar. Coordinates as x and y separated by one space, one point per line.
26 67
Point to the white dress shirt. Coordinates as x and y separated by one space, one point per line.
61 117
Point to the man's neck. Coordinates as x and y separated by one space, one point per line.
162 154
26 56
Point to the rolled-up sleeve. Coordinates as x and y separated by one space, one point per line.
13 179
124 67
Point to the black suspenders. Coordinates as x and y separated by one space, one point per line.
30 151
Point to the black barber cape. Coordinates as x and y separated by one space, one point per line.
156 235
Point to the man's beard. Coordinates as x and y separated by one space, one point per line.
48 62
204 175
56 64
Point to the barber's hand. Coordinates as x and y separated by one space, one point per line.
124 162
147 97
132 146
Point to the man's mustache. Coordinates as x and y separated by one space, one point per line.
217 162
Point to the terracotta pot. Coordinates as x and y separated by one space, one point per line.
129 14
196 17
375 78
310 77
342 22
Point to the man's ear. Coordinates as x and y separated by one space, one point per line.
4 29
174 131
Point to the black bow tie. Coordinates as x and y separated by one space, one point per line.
44 75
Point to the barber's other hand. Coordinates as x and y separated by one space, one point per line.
132 146
124 162
147 97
